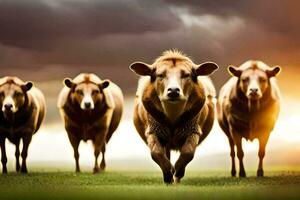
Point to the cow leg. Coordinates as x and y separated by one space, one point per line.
158 154
103 164
17 154
168 153
232 155
26 142
96 154
3 156
75 144
98 144
240 154
186 155
261 154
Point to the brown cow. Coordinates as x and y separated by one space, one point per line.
248 107
91 110
22 112
174 108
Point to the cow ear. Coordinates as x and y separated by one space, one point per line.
206 69
141 68
69 83
104 84
273 72
27 86
233 71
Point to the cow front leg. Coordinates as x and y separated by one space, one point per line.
103 163
240 153
17 154
75 144
26 142
232 155
158 154
3 156
168 153
98 144
186 155
261 153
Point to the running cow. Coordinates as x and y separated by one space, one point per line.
248 107
174 108
21 115
91 109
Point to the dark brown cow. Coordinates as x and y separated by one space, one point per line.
248 107
22 112
174 109
91 110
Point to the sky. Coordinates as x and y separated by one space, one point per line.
59 38
47 40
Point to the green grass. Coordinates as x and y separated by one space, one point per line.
148 185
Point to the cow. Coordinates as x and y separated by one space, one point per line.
248 107
22 112
91 109
174 109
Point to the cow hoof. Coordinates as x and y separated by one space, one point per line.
4 171
177 180
96 170
102 166
260 173
168 178
169 182
242 174
18 169
24 170
233 173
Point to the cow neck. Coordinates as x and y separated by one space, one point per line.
154 108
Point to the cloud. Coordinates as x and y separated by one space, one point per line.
41 24
65 37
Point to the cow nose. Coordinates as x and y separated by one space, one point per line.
87 104
8 106
253 90
173 92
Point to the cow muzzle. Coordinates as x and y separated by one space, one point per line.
254 93
8 105
87 103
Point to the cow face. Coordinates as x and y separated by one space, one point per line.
173 82
254 81
13 96
87 94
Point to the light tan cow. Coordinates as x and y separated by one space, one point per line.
174 108
22 112
248 107
91 109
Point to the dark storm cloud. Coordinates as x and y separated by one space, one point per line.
274 15
57 38
41 24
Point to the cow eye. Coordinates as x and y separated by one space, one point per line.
18 94
94 92
245 80
263 80
1 94
79 92
185 75
160 75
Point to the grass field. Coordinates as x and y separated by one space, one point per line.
148 185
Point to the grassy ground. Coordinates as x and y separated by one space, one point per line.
148 185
